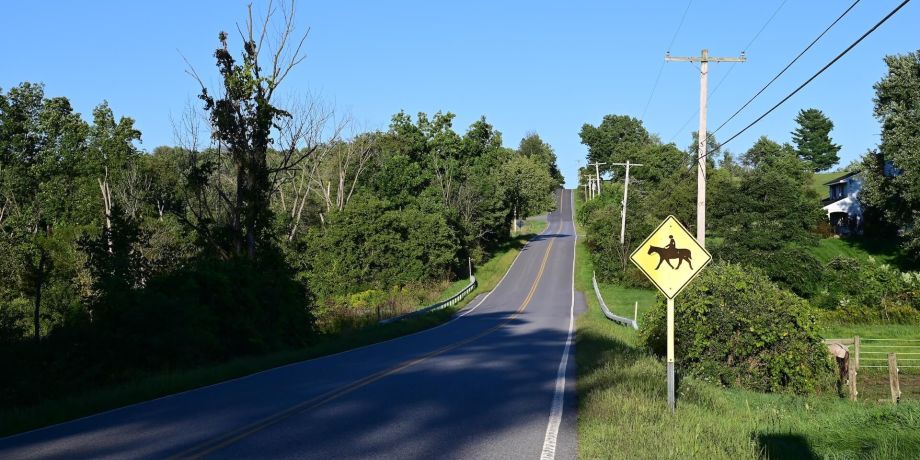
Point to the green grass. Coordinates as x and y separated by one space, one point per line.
876 331
886 252
819 179
533 225
15 420
621 300
622 410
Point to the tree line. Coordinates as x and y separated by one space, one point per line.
257 235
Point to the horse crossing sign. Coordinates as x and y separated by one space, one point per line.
670 257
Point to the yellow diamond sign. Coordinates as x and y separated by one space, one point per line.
670 257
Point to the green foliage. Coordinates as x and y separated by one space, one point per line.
615 140
813 141
768 216
858 291
372 246
740 330
892 195
534 148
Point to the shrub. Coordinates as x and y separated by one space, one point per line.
737 328
860 292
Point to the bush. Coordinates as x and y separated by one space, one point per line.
869 292
737 328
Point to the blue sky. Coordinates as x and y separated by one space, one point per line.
527 66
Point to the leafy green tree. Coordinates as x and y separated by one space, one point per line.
615 140
769 214
813 141
532 146
528 186
891 189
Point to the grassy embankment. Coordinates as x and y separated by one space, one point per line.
622 410
14 420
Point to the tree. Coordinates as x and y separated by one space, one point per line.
615 140
528 186
769 214
813 141
891 188
532 146
246 122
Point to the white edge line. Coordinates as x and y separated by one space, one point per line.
555 414
467 310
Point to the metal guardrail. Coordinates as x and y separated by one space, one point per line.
622 320
453 300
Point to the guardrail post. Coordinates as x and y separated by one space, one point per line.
893 378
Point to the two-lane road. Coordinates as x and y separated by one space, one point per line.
497 381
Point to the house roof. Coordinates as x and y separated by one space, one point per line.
842 178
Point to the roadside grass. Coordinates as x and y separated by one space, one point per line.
151 386
622 411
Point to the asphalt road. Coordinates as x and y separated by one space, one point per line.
497 381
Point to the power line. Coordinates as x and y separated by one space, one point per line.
661 67
732 67
819 72
781 72
748 46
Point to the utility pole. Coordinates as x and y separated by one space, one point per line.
597 175
591 186
625 196
704 59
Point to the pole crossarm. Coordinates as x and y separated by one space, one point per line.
704 59
628 165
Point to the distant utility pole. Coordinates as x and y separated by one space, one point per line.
591 186
625 196
597 172
704 59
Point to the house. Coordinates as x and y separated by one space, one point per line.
842 204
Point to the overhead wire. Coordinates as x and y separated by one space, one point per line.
732 67
781 72
661 67
819 72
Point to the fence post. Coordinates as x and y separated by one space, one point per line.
636 311
851 381
856 350
893 378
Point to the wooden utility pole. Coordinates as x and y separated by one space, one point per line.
597 175
625 196
704 59
591 186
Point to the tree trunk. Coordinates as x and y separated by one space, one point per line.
39 283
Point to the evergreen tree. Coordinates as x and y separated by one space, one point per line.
813 141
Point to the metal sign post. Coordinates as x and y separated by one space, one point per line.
670 358
670 257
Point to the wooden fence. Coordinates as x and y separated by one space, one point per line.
876 355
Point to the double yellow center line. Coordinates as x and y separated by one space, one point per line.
210 447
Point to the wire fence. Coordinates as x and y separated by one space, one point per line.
885 369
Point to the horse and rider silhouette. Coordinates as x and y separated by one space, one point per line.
669 253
